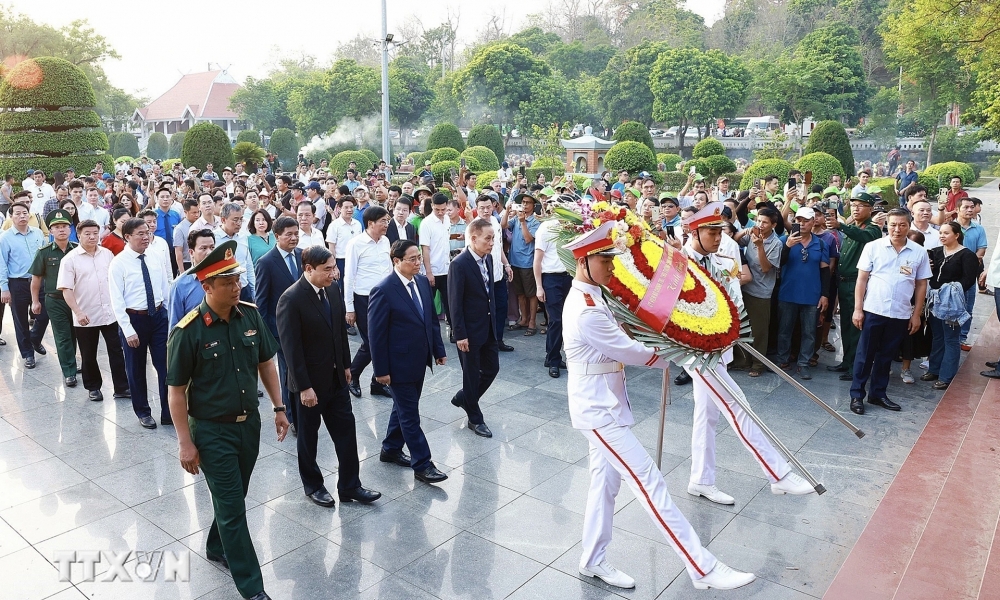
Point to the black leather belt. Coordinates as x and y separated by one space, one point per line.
133 311
228 418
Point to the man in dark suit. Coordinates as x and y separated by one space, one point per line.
399 307
276 271
400 213
314 340
473 304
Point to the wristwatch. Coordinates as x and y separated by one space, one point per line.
279 409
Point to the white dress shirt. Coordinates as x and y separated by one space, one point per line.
400 229
158 247
497 252
367 263
993 269
314 238
98 214
340 232
406 285
127 288
435 234
892 276
931 237
545 240
248 278
39 196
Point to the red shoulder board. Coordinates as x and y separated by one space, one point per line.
590 301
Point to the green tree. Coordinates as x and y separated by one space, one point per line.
176 144
831 138
489 136
691 87
636 132
631 156
445 135
116 107
574 58
324 99
248 135
157 147
708 147
486 157
285 145
536 40
127 146
409 93
624 86
552 101
883 122
246 153
207 143
822 166
664 20
952 145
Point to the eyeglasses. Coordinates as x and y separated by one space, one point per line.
413 259
805 255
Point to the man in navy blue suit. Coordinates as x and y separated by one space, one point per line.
400 305
472 304
276 271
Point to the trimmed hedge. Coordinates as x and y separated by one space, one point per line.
285 145
126 145
317 154
445 135
157 146
48 120
830 137
550 162
486 158
669 161
340 161
487 136
719 164
54 144
125 159
822 165
673 181
176 144
472 164
633 131
631 156
484 179
708 147
46 82
443 154
440 170
415 157
943 172
762 168
81 163
888 192
168 164
371 156
248 135
207 143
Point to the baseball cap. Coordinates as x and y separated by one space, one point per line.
805 212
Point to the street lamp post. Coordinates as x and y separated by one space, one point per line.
386 39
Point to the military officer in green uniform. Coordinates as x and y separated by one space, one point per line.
214 356
44 275
856 235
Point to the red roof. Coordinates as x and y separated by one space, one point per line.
206 95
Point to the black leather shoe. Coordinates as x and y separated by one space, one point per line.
929 377
219 558
451 337
79 369
682 379
360 494
71 381
260 596
554 372
40 349
29 363
836 368
456 401
378 389
400 458
994 374
148 422
992 365
857 406
355 389
505 347
260 393
322 497
885 403
481 430
846 377
166 420
119 395
430 475
95 396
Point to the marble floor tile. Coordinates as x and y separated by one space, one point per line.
147 480
466 499
19 452
34 577
556 440
273 535
536 529
514 467
552 584
36 480
10 540
62 511
183 512
569 488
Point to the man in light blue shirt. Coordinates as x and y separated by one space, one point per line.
523 227
186 292
973 238
231 228
18 246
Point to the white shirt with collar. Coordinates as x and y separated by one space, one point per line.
128 290
400 229
497 252
546 242
340 232
993 269
892 276
367 263
158 247
435 235
931 239
249 277
39 196
313 238
406 286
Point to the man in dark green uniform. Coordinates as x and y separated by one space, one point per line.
214 355
856 235
44 275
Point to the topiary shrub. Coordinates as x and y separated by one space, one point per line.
317 155
708 147
177 144
168 164
127 146
48 121
486 158
669 161
207 143
472 163
888 192
371 156
719 164
939 175
157 146
248 135
673 181
484 179
830 137
633 131
822 166
550 162
762 168
443 154
125 159
415 158
248 152
487 136
700 165
631 156
285 145
442 169
445 135
340 161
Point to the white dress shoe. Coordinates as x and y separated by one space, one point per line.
723 578
711 492
609 575
792 484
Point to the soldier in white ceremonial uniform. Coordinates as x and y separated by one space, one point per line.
710 398
596 351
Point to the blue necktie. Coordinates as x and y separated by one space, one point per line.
326 306
416 298
148 283
290 260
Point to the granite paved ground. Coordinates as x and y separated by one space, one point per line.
76 475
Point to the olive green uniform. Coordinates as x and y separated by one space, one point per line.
855 239
217 361
46 266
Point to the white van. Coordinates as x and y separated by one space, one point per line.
762 125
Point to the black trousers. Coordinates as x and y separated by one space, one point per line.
556 286
480 366
404 424
441 285
335 411
88 338
286 397
28 337
500 296
152 333
363 357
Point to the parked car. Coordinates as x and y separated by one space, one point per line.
657 132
